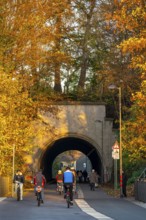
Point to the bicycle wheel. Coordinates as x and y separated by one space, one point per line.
18 194
39 202
39 198
68 201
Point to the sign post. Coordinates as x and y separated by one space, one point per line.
115 156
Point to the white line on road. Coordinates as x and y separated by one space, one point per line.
1 199
84 206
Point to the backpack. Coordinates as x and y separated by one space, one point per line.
39 178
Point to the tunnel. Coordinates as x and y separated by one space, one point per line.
65 144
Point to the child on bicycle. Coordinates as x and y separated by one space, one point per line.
59 179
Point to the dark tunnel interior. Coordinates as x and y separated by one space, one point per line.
65 144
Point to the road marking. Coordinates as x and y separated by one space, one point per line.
80 193
1 199
84 206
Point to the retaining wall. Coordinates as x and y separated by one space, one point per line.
4 186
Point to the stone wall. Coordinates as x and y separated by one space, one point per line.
4 186
85 120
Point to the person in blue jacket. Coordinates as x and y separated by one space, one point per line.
68 179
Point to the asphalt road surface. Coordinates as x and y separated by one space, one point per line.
88 205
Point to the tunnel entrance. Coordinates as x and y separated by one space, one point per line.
65 144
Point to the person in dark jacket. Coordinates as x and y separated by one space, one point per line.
85 174
68 180
18 177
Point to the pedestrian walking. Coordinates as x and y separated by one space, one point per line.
85 174
80 175
97 180
92 180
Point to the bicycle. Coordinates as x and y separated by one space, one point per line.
68 196
60 187
18 192
39 194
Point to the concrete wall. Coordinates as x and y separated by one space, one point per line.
87 120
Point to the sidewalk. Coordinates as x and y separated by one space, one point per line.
136 202
85 193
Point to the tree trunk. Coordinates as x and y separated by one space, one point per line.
57 81
85 56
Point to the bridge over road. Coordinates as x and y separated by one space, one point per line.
81 126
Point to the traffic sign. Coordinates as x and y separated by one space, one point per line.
115 155
116 145
115 152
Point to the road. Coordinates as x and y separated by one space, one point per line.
89 205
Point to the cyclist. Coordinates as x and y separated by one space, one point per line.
40 180
20 178
75 179
59 179
68 179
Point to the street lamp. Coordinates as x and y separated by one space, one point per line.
120 138
101 148
13 169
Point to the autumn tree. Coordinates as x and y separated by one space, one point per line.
134 132
17 112
88 50
36 33
129 17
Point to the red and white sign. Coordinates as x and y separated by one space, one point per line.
115 152
116 145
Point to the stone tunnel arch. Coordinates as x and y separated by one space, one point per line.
70 143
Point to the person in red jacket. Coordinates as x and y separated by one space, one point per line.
40 180
59 180
59 177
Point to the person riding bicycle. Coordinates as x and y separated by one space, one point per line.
40 180
59 178
18 177
68 180
75 179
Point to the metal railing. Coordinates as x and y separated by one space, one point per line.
142 175
140 187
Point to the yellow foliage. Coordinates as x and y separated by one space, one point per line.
134 131
131 16
16 114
